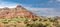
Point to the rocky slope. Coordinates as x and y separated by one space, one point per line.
19 11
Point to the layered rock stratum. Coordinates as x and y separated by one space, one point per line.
18 11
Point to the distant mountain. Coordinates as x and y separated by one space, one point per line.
19 11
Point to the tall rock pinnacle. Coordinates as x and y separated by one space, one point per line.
18 6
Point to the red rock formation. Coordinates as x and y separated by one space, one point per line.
15 12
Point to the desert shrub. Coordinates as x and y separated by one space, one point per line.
29 22
34 19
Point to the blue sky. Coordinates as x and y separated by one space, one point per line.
41 7
35 3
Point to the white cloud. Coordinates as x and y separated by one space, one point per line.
6 4
45 11
58 0
42 11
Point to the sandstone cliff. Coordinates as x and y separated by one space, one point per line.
15 12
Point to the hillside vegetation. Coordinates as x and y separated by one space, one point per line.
30 22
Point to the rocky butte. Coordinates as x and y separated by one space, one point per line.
18 11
